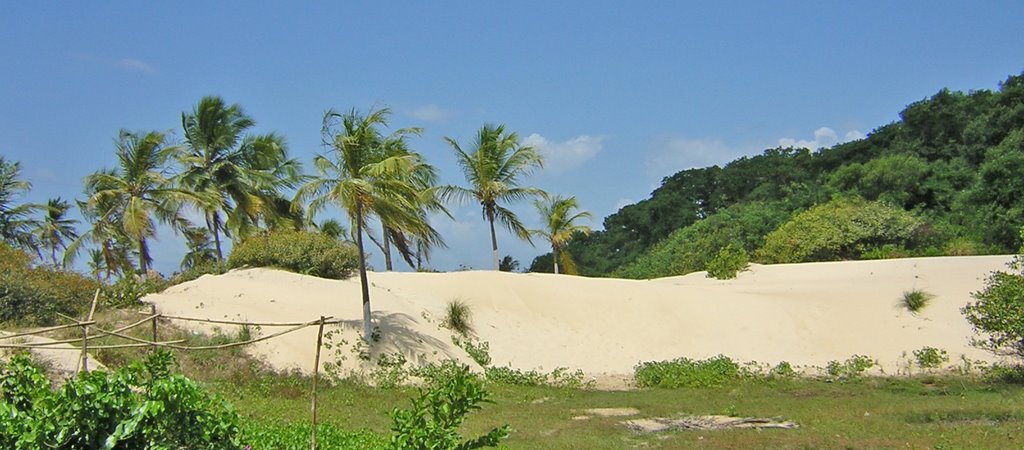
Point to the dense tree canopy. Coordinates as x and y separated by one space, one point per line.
955 160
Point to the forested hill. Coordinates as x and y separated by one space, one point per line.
951 170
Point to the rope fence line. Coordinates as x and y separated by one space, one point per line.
88 324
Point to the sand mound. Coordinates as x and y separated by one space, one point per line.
807 314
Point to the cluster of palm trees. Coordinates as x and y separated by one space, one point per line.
236 182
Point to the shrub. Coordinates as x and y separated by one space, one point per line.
302 252
930 357
480 351
783 369
851 368
35 295
729 262
998 312
843 228
143 405
685 372
129 290
458 317
194 272
915 300
434 419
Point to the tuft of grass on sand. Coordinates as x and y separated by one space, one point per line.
915 300
458 317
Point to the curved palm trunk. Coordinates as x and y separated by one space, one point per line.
554 258
494 240
387 249
143 257
215 227
364 284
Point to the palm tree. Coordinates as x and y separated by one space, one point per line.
16 222
137 192
560 226
414 245
104 214
200 248
53 232
493 170
243 173
357 175
334 229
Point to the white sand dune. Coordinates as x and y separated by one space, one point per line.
806 314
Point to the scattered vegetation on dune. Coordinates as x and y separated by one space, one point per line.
915 300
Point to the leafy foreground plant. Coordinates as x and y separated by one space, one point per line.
435 416
143 405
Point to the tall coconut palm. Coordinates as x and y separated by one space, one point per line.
104 214
357 175
423 177
55 230
16 222
200 248
138 190
559 217
243 173
494 170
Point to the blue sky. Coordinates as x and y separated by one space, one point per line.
616 94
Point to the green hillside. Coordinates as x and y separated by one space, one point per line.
947 178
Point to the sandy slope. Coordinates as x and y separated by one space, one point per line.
807 314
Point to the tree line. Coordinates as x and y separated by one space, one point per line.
954 160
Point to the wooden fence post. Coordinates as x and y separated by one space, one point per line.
85 333
316 375
152 311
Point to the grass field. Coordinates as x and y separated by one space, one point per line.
922 412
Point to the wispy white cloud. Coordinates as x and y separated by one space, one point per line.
125 64
823 137
135 65
564 156
431 113
677 153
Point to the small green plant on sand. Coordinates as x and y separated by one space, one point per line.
458 317
851 368
480 351
915 300
930 357
685 372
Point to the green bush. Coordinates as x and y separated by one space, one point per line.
302 252
998 312
194 272
843 228
129 290
35 295
434 419
143 405
851 368
729 262
685 372
931 357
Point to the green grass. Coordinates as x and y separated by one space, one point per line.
958 412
